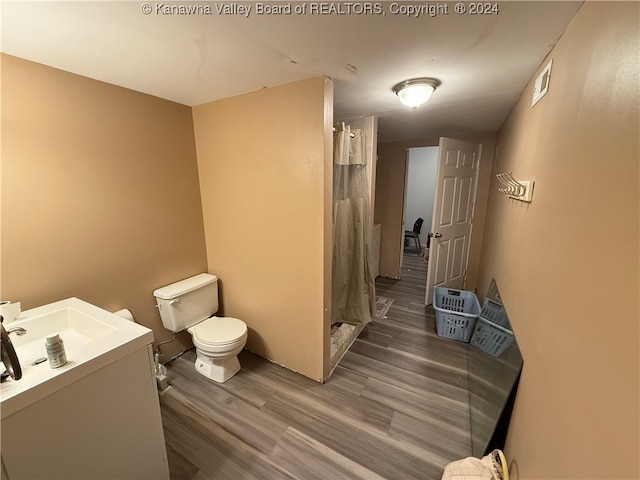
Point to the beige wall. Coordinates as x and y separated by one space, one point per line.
265 176
390 192
567 264
100 193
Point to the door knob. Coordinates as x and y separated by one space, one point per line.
437 234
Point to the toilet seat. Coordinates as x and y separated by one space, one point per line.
218 331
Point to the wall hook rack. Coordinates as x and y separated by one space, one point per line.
517 189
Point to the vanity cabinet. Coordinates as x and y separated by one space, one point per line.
105 425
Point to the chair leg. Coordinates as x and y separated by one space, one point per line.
416 242
419 246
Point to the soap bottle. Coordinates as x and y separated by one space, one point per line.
55 350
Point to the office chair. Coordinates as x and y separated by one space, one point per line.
415 234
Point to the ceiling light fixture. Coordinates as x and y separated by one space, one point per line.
416 91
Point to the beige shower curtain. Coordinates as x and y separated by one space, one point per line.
353 281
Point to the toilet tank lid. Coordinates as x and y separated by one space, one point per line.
184 286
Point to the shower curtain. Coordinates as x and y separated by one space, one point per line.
353 286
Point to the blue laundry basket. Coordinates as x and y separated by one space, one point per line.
491 338
456 313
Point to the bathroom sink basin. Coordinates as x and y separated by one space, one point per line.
92 338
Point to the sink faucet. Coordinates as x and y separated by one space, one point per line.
17 330
8 353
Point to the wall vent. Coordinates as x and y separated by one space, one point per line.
541 84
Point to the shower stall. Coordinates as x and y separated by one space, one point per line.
353 287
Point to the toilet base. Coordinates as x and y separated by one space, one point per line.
219 369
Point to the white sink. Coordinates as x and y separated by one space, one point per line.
92 337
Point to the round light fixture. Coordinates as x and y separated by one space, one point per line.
416 91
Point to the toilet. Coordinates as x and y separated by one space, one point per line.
189 305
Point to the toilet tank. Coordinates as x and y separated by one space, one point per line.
187 302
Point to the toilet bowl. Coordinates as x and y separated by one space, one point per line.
218 341
189 305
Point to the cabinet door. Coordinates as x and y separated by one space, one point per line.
106 425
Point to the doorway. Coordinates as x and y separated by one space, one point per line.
391 177
451 203
420 190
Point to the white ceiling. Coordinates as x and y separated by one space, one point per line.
483 61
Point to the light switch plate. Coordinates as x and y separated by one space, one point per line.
541 85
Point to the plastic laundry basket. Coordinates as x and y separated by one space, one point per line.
494 312
456 313
491 338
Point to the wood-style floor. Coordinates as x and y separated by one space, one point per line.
396 406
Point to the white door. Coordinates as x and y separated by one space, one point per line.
452 215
